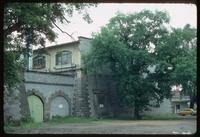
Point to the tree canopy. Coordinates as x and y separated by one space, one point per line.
138 49
28 24
39 19
185 64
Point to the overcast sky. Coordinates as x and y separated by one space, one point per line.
180 15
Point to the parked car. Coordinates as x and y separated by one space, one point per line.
187 111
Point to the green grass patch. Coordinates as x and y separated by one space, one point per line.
68 119
29 124
26 124
160 117
8 127
32 125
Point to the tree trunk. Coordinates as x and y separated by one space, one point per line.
193 99
137 115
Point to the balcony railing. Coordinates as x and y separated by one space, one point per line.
182 98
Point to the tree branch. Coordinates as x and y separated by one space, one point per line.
66 19
14 27
62 30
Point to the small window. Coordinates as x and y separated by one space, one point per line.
63 58
39 62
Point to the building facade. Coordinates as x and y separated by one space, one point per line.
57 86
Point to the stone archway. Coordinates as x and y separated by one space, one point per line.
36 102
59 104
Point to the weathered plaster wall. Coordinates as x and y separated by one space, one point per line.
183 105
164 108
12 105
15 104
48 86
100 85
51 56
75 55
48 83
84 47
81 97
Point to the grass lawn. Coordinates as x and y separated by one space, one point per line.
160 117
54 121
9 127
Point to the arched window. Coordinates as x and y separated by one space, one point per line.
39 62
63 58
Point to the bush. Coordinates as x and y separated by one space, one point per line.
27 120
12 122
16 123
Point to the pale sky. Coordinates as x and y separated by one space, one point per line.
180 15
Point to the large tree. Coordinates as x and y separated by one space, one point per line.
179 51
33 23
126 44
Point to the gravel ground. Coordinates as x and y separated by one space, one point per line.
183 126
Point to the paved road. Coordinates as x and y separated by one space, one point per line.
185 126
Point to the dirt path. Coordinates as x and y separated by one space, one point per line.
119 127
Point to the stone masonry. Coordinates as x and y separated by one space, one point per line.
81 98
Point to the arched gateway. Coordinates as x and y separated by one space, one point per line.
36 108
59 107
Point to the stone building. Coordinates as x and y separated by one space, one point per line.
57 86
179 102
57 76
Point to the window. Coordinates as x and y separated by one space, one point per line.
39 62
63 58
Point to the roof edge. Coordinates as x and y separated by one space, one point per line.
57 45
84 37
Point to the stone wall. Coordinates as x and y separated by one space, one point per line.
103 86
83 94
15 103
11 105
48 86
81 97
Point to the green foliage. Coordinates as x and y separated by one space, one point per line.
39 19
179 52
28 123
125 46
69 119
11 125
12 68
28 24
27 120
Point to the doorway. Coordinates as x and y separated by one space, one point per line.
36 108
